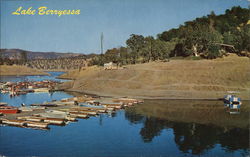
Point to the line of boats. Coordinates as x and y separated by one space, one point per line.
61 112
18 88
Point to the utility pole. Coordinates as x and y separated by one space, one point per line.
102 43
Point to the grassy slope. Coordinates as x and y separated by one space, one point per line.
19 70
174 79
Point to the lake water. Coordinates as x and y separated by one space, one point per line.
156 128
51 76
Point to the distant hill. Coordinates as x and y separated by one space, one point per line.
45 60
17 53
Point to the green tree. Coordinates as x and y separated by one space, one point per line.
148 48
163 49
136 44
200 38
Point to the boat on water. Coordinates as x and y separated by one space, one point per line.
232 103
53 121
128 101
78 114
25 109
37 125
13 122
52 115
88 112
42 90
8 110
100 108
57 114
23 123
45 105
113 105
3 104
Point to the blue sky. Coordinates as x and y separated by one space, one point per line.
117 19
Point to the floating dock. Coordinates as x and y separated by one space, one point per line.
61 112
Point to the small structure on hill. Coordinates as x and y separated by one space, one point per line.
110 66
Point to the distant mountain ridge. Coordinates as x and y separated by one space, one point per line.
16 54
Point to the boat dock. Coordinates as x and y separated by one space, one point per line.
18 88
64 111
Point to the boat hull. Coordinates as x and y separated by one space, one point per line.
9 111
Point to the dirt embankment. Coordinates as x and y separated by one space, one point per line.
19 70
177 79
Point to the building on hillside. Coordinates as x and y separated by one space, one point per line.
110 66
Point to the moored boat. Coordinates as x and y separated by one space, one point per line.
13 122
8 110
37 125
57 114
99 109
30 118
45 105
89 112
117 105
78 114
3 104
41 90
128 100
25 109
233 103
55 121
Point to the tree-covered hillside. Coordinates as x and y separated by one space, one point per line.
208 37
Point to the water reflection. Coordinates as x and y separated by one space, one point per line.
133 117
152 127
197 137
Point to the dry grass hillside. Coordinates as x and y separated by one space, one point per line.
174 79
19 70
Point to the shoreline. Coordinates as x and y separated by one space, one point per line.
144 97
55 70
178 79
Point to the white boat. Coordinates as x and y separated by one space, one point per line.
42 90
37 125
3 104
13 122
25 109
79 115
58 114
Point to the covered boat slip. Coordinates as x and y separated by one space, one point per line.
60 112
67 117
24 123
53 121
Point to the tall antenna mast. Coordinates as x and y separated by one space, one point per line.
102 43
